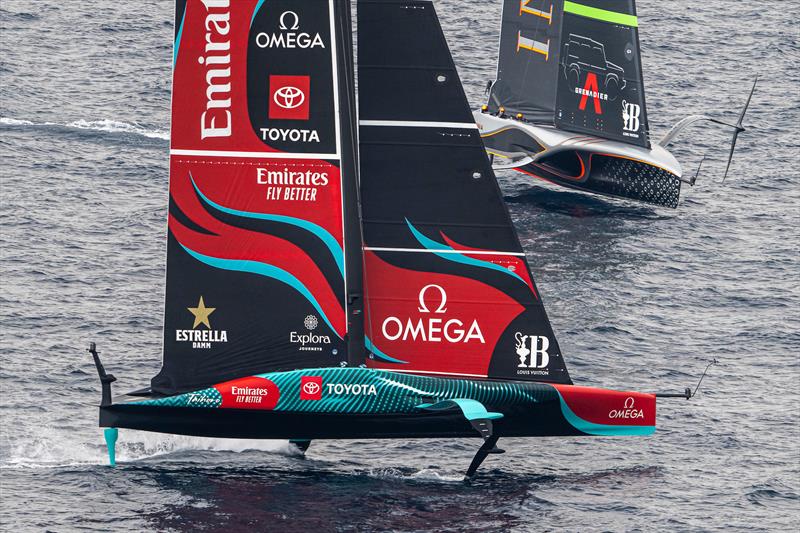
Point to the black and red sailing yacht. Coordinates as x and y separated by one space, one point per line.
568 103
329 277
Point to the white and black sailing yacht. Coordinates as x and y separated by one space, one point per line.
568 104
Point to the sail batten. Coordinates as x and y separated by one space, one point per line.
253 155
420 124
442 251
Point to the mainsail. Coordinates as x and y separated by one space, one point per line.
600 86
573 64
448 288
263 208
527 65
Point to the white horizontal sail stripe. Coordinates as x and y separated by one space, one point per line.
254 155
463 252
420 124
437 373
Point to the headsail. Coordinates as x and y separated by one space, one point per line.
448 286
574 64
262 174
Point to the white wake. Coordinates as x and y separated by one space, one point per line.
57 447
106 125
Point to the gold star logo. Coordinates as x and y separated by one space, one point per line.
201 313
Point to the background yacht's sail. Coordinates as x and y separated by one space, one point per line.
600 86
575 64
260 157
447 283
527 63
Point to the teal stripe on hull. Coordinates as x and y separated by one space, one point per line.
601 430
394 393
471 409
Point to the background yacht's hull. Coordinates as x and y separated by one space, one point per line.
583 162
619 178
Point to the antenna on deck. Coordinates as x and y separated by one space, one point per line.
105 379
687 393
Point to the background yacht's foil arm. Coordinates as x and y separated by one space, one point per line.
682 124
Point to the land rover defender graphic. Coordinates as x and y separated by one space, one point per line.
582 55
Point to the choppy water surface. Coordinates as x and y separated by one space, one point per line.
641 298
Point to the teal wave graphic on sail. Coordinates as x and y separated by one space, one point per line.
329 240
255 12
456 256
379 354
263 269
178 39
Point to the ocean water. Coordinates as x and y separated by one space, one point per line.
641 298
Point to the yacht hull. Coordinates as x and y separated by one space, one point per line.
582 162
359 403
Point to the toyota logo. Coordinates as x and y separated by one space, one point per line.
311 388
289 97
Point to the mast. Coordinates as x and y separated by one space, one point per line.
353 234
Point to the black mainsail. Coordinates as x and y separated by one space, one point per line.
527 66
448 287
600 87
573 64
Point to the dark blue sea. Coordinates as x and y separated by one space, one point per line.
641 298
